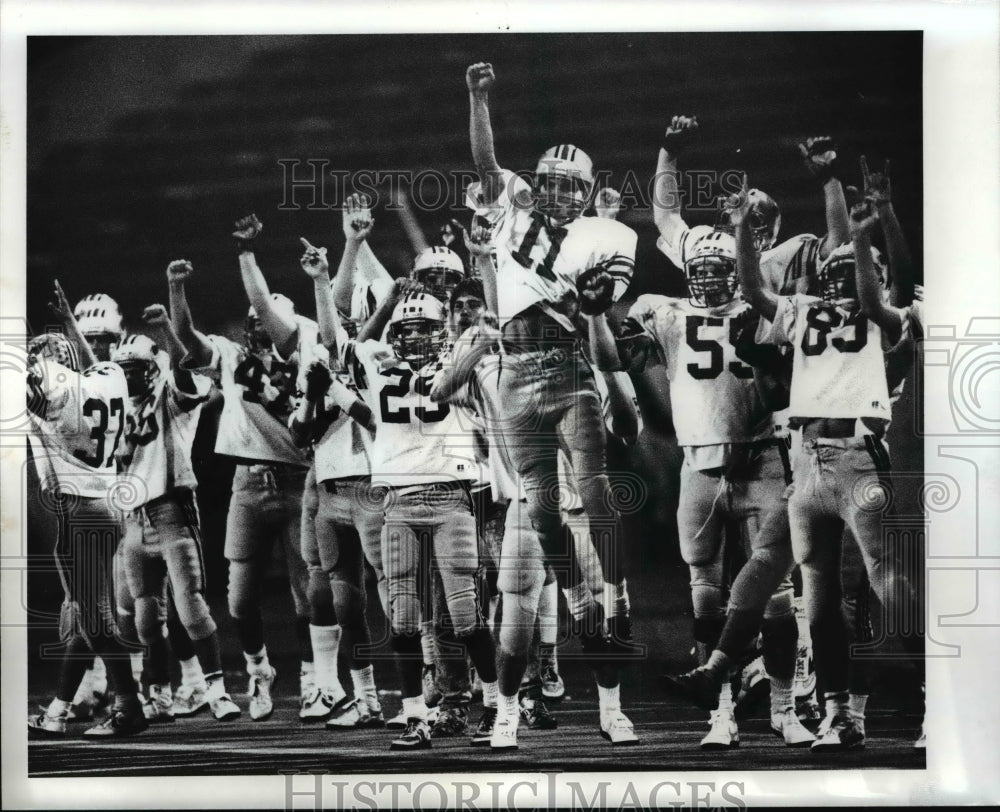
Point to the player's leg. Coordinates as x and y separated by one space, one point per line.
451 686
318 538
189 698
180 527
125 620
857 614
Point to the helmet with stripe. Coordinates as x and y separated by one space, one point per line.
764 219
439 270
100 320
256 337
418 329
564 180
55 347
711 270
136 355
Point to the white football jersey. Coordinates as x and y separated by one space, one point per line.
838 366
159 435
484 391
537 264
417 441
260 391
345 447
80 423
713 396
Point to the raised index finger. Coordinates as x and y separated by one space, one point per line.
306 244
864 170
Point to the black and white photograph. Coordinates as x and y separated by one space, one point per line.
499 417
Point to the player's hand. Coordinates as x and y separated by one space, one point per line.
317 380
918 293
819 154
403 286
358 220
245 231
479 78
680 133
608 203
737 206
478 239
863 218
179 270
596 289
156 316
878 187
314 261
60 308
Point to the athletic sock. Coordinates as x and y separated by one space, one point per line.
191 673
364 687
414 707
609 699
326 648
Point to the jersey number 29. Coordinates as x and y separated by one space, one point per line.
401 389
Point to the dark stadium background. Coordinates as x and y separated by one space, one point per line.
144 149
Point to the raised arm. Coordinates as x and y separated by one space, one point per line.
471 347
358 224
479 78
878 189
666 186
158 321
315 264
863 219
197 346
621 403
603 349
401 200
761 299
61 309
375 326
479 244
282 329
820 157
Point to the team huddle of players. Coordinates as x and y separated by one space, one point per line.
448 430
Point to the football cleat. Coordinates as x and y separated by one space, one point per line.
723 733
43 726
553 686
699 686
350 714
617 728
450 722
788 727
840 734
88 704
807 708
190 699
224 709
259 689
159 708
316 704
415 736
504 736
755 689
484 730
119 724
537 716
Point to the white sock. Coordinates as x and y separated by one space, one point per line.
414 707
191 673
609 699
257 663
580 599
58 709
726 697
216 687
427 646
364 687
136 659
491 690
548 614
99 669
857 704
782 698
326 649
506 705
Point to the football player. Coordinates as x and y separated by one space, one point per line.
422 456
258 381
77 410
551 263
162 542
840 400
100 321
734 469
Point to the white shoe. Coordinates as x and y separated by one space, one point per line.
44 726
841 734
553 686
504 735
433 714
224 709
90 700
159 708
261 704
353 714
787 725
723 734
617 728
190 699
316 704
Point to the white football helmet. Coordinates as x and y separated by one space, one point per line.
136 355
55 347
711 270
439 270
836 275
256 337
418 329
764 219
564 181
100 321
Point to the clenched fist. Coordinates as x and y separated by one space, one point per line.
245 231
179 270
479 78
680 133
819 154
156 316
596 289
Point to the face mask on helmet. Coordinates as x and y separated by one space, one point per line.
55 347
417 341
439 282
100 320
836 277
564 179
711 280
139 376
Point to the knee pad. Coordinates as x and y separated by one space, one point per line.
147 620
781 603
464 612
404 615
194 614
517 624
706 591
